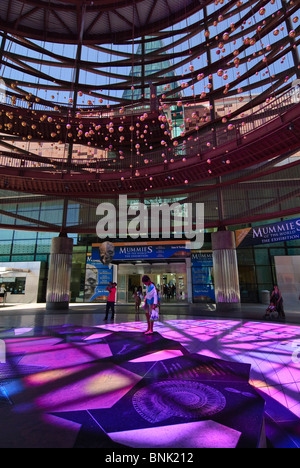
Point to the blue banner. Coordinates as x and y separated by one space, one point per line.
203 293
97 278
281 231
145 251
202 259
202 277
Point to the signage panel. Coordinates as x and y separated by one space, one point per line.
146 251
97 278
269 233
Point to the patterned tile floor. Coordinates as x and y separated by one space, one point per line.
272 349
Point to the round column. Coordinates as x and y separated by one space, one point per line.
59 276
227 287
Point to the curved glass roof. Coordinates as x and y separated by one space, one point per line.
225 49
120 87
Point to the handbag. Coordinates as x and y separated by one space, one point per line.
154 315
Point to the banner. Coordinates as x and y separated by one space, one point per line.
202 277
97 278
281 231
146 251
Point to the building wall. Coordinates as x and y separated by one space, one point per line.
288 278
256 264
28 295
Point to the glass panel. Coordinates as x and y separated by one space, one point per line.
5 248
264 274
23 247
5 234
245 256
261 256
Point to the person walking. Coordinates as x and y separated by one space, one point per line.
278 301
3 293
138 297
150 303
110 304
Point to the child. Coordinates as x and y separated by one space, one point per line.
138 296
150 302
271 311
2 294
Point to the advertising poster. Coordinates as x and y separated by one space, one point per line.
146 251
281 231
202 277
97 278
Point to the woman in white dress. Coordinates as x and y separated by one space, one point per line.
150 304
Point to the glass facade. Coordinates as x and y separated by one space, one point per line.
255 264
70 122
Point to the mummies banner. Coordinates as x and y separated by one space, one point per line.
282 231
97 278
202 277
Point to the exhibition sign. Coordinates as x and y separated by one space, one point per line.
281 231
146 251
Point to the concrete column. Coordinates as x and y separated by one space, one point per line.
227 288
59 276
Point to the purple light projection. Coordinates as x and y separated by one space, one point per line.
57 387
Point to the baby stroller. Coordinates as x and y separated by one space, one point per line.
271 312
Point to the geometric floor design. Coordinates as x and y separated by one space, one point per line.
192 384
271 349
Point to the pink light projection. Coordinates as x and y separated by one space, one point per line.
268 347
213 435
206 377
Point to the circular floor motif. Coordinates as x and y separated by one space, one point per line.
181 398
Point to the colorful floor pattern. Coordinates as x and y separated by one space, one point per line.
192 384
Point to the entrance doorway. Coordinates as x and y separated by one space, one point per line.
174 287
170 279
134 281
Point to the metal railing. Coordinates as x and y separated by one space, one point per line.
200 143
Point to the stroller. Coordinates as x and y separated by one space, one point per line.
271 312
